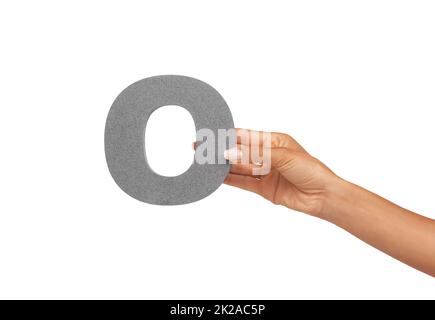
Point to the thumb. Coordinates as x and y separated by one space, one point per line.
280 158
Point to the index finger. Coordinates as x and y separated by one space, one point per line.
269 139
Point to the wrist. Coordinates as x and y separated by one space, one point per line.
337 195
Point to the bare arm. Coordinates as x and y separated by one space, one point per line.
301 182
404 235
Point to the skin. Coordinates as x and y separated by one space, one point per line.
300 182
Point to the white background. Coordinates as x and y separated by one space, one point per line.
352 81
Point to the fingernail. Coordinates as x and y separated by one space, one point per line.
233 154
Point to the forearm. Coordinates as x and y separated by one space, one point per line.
402 234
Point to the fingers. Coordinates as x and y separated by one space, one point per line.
257 160
276 158
242 162
244 169
234 154
282 157
248 138
244 182
269 139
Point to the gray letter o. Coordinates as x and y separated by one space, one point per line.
125 134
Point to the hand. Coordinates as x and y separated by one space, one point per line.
296 179
301 182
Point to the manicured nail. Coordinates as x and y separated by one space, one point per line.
233 154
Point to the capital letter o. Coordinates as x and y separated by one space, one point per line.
125 139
